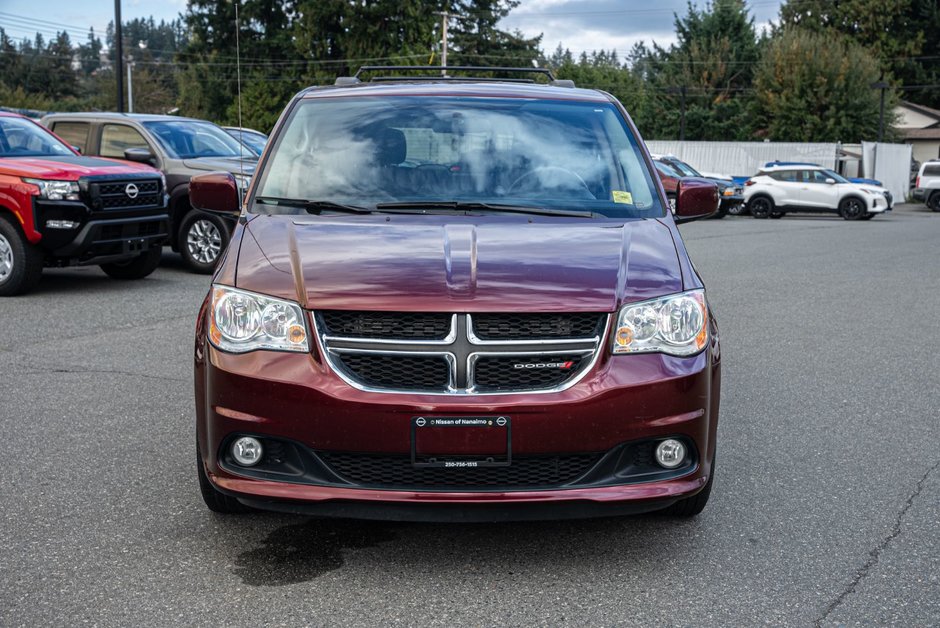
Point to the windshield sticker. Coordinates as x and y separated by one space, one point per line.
622 197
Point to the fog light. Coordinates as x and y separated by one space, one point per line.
61 224
247 451
670 453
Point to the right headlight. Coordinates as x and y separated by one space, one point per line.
675 325
241 321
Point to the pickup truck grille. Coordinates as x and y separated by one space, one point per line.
125 193
453 354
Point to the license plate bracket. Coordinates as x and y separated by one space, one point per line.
460 461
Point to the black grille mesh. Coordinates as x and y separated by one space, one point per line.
113 195
399 372
495 373
387 325
512 326
380 470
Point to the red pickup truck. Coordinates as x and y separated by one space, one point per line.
58 208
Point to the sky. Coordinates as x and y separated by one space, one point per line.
579 25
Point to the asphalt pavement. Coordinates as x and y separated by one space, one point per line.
826 508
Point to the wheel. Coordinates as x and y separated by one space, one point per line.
672 202
721 213
738 209
852 208
761 207
933 202
777 214
202 238
136 267
691 506
868 216
215 500
20 261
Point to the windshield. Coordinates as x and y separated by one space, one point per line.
835 175
188 139
254 141
685 168
529 153
24 138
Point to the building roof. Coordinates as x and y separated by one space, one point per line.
931 133
921 109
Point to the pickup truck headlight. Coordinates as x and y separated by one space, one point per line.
675 325
241 321
56 190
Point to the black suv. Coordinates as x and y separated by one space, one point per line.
181 148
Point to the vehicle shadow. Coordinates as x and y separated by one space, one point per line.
305 549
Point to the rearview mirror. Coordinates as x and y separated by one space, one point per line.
140 155
214 192
695 199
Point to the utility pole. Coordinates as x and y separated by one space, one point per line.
118 56
444 49
881 117
130 86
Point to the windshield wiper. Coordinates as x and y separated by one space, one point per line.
476 205
311 206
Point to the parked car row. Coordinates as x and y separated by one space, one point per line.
927 184
780 188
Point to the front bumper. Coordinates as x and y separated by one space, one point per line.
296 398
97 237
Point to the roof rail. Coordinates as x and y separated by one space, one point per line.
346 81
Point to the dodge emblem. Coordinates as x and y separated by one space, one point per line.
131 190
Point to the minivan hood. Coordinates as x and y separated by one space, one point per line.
458 264
229 164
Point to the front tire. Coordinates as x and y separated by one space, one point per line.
852 208
738 209
202 238
761 207
136 267
933 202
216 500
20 261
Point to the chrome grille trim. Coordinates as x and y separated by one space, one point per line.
461 348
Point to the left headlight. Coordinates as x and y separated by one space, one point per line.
56 190
241 321
675 325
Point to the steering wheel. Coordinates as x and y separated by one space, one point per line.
555 171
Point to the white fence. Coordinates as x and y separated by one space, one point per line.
744 158
890 164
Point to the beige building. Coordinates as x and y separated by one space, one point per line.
919 126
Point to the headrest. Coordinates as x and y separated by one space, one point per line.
391 147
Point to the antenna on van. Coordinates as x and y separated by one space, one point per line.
238 81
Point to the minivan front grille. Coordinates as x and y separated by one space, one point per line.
471 354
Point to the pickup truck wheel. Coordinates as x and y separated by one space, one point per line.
691 506
721 213
933 202
215 500
202 238
761 207
20 261
852 209
136 267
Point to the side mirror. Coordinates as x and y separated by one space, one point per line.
140 155
695 199
214 192
831 181
77 149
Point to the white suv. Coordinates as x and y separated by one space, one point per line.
927 187
777 190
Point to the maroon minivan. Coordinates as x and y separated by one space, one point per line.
456 299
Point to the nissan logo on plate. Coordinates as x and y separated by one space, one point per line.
131 190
